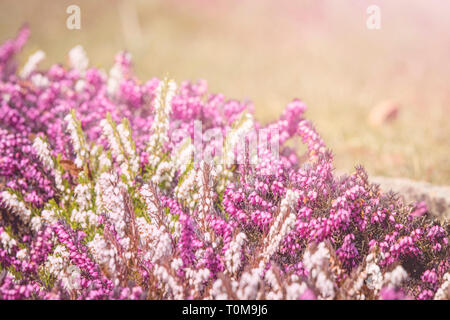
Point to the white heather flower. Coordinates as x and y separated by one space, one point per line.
32 63
164 172
77 139
357 285
325 286
295 290
248 285
110 200
7 242
156 240
276 292
395 277
160 126
152 211
283 224
176 264
22 254
36 223
39 80
80 85
443 291
83 196
199 253
18 207
164 95
316 260
374 278
218 291
170 283
122 146
129 148
372 275
58 264
101 159
49 216
150 200
197 278
184 155
185 191
205 195
243 126
84 217
43 151
108 133
116 75
78 59
316 263
233 254
103 253
188 176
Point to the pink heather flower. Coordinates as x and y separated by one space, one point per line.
102 197
392 294
308 295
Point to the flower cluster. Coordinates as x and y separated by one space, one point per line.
108 190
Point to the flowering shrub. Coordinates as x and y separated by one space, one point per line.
107 192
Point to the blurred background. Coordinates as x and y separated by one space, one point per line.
380 98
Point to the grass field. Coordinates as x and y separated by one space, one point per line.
273 51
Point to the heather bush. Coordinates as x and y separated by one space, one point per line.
108 192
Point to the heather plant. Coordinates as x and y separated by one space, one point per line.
109 191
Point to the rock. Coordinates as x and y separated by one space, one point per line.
383 113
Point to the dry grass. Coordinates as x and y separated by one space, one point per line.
271 52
